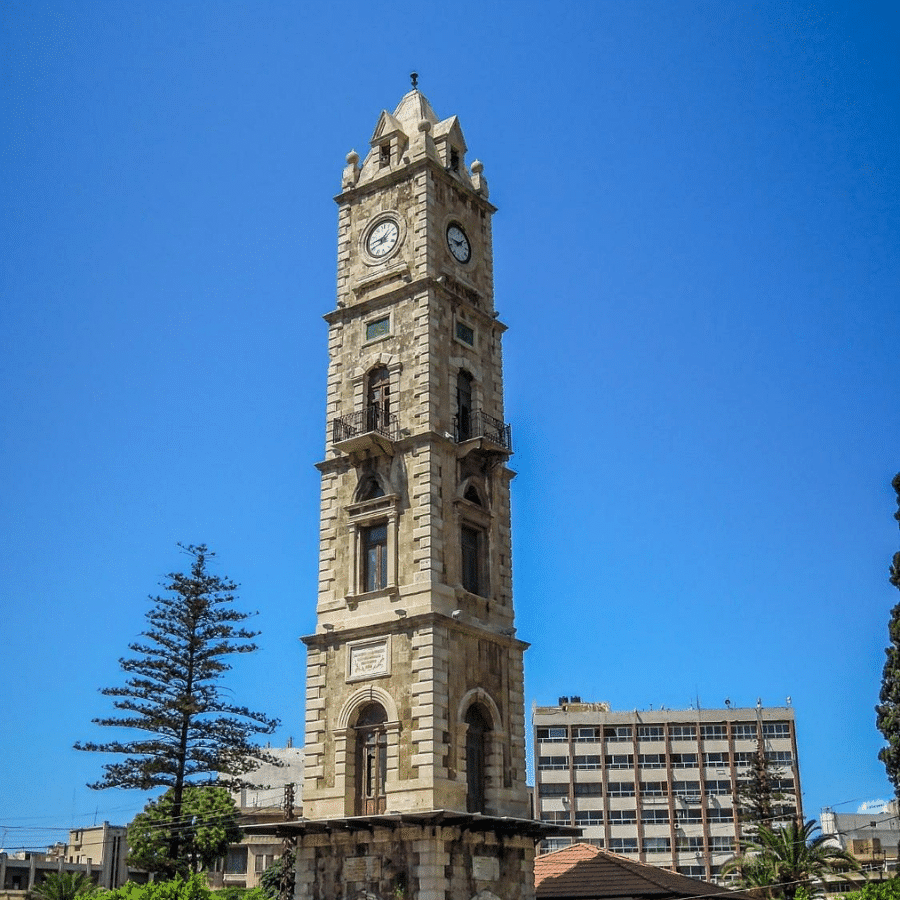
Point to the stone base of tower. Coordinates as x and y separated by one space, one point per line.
437 855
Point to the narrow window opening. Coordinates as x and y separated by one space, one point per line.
378 399
463 406
371 760
478 723
454 159
384 155
374 557
471 541
472 495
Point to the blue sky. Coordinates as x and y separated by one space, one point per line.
696 252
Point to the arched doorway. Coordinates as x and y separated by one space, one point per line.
371 760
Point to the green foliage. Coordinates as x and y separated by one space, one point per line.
206 825
278 879
788 863
178 888
888 710
192 734
63 886
877 890
238 893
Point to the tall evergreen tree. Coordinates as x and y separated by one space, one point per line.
191 735
888 710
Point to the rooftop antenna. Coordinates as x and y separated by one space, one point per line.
414 78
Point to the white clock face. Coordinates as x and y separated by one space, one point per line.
383 238
458 243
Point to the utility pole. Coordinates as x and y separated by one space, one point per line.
288 856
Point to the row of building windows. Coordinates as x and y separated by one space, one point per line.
658 760
682 789
614 733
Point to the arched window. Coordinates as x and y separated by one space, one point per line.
369 488
378 399
479 725
371 760
463 406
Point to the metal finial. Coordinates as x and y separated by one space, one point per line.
414 78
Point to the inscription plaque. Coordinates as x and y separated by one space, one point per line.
367 660
485 868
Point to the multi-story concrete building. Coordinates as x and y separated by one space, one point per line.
659 785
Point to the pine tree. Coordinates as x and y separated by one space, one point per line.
888 710
759 793
173 695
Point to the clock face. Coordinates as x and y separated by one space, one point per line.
458 243
382 238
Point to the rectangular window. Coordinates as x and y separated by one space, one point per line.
236 861
471 540
620 761
689 816
623 845
590 789
655 816
744 757
692 871
713 732
587 762
718 787
650 732
682 732
715 760
686 788
553 762
617 733
776 729
589 817
384 155
744 730
556 818
684 760
656 845
690 843
374 553
620 789
654 788
721 844
554 790
552 735
378 328
465 333
780 757
622 816
584 733
652 760
713 814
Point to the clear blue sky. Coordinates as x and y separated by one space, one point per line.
697 257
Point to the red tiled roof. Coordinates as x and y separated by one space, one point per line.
585 872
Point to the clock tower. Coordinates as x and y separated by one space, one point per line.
414 780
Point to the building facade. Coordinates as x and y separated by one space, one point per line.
659 786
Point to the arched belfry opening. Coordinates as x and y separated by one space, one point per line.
478 728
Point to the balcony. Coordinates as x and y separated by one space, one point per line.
369 429
479 425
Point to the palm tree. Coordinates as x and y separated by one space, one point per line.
781 861
63 886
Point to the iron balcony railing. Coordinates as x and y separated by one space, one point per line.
477 424
365 421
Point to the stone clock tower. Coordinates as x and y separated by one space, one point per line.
415 730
